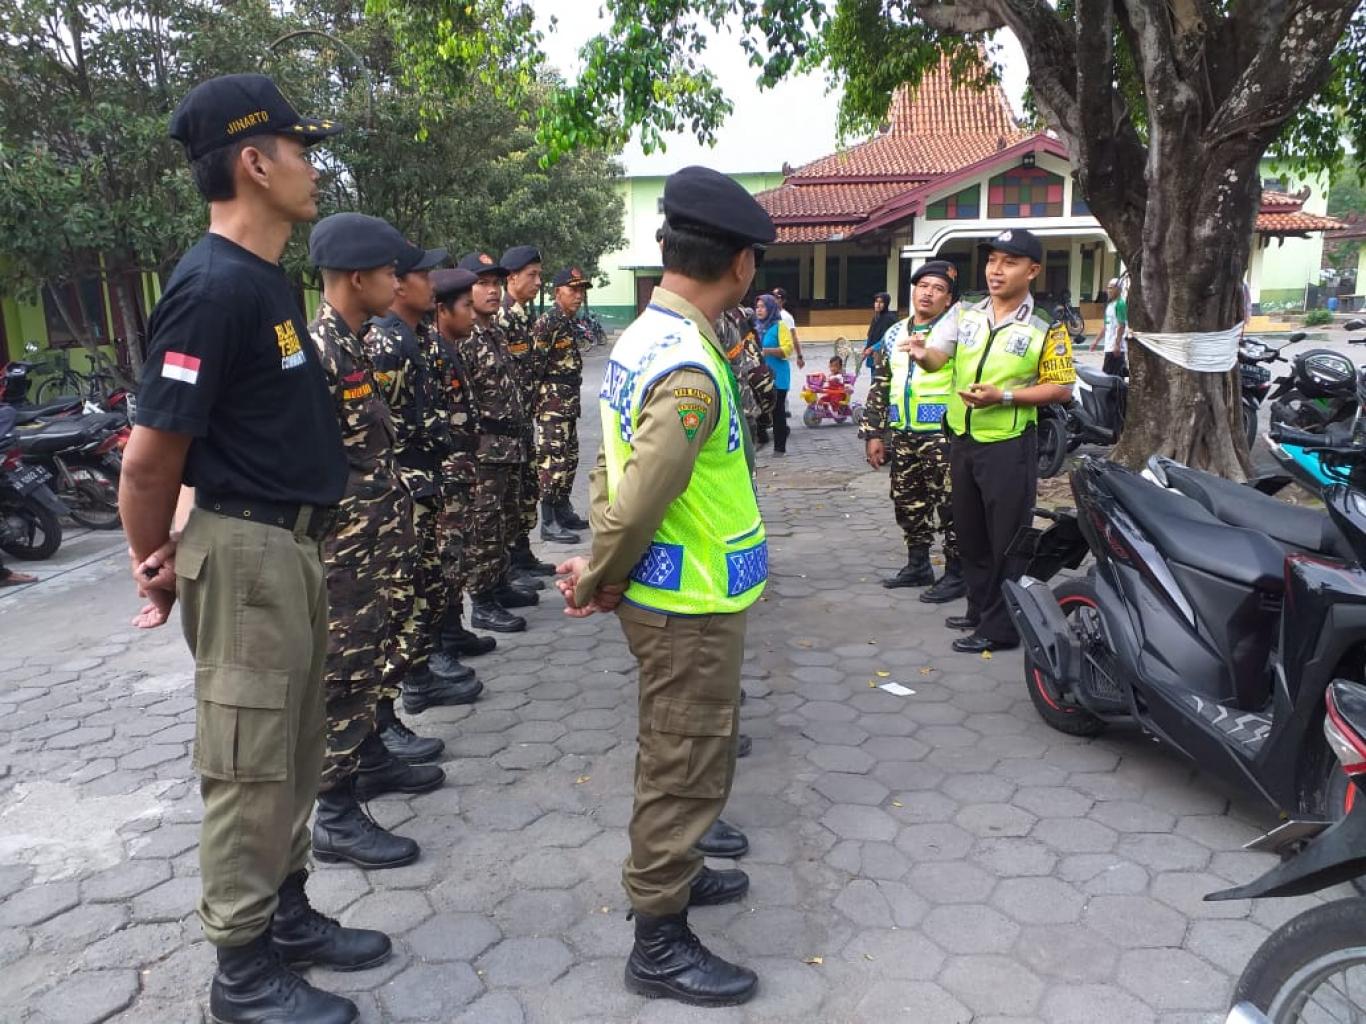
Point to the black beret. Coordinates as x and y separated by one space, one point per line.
231 108
700 199
414 257
939 268
354 241
1017 242
450 284
571 277
519 256
481 263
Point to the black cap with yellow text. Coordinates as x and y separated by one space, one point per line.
230 108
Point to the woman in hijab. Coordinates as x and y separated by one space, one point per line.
768 327
883 319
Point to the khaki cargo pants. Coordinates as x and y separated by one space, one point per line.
253 604
685 759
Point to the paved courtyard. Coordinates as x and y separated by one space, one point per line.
937 858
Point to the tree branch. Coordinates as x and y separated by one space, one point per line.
965 16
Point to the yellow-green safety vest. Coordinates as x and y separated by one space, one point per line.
710 554
1007 356
917 399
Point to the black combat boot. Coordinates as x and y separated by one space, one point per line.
302 936
343 831
551 529
722 840
512 593
524 580
379 771
567 517
401 741
917 572
426 690
710 888
486 613
524 559
446 665
668 960
253 986
456 640
950 587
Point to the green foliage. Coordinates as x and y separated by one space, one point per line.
1317 318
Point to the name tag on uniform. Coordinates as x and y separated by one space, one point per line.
1017 343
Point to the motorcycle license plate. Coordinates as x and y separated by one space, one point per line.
27 479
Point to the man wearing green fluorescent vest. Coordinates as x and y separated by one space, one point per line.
903 424
1009 357
679 553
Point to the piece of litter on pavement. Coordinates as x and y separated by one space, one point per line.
814 961
883 675
896 689
986 655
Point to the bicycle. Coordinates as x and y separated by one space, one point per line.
65 379
591 333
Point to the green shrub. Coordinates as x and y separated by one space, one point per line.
1317 318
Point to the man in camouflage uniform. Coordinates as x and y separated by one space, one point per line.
453 323
556 339
523 263
369 569
399 344
919 451
502 422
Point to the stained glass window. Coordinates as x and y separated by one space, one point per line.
965 205
1025 192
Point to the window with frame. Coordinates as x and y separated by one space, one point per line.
1025 192
83 302
964 205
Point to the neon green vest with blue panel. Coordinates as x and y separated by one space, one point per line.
1007 356
710 554
917 399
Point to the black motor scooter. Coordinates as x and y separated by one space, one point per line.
1208 635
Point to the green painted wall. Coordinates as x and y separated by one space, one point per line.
1291 263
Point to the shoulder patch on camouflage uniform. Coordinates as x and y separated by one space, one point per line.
692 414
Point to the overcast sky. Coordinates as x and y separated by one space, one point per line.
797 116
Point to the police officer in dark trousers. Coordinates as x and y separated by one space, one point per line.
680 553
1009 357
233 403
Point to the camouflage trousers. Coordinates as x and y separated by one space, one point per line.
372 577
557 454
493 513
429 606
919 471
523 521
453 531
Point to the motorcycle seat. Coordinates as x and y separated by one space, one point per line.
56 407
1239 505
1099 381
59 435
1187 534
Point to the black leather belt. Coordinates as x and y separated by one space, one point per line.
501 427
313 521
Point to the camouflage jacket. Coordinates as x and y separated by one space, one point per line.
412 391
501 417
515 321
555 339
457 408
744 358
375 495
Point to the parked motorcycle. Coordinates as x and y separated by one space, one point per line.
1313 967
1053 446
82 454
1205 633
30 513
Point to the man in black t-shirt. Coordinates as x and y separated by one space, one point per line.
233 404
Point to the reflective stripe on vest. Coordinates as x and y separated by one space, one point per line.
710 554
1006 356
916 401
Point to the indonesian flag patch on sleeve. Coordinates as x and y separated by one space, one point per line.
178 366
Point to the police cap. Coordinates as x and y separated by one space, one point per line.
481 263
519 256
570 277
451 284
1017 242
231 108
939 268
414 257
354 241
708 202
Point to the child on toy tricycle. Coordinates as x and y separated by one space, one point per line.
830 396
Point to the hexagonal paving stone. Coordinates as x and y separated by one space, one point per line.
919 1001
548 869
978 788
970 928
37 903
425 992
125 880
841 759
1075 835
1132 816
525 963
855 822
1088 1004
904 953
1185 891
840 788
1038 900
88 996
951 882
1228 944
934 842
1067 952
1010 856
864 904
917 807
537 913
451 936
1134 921
995 820
1173 979
992 984
1163 851
390 911
1052 801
